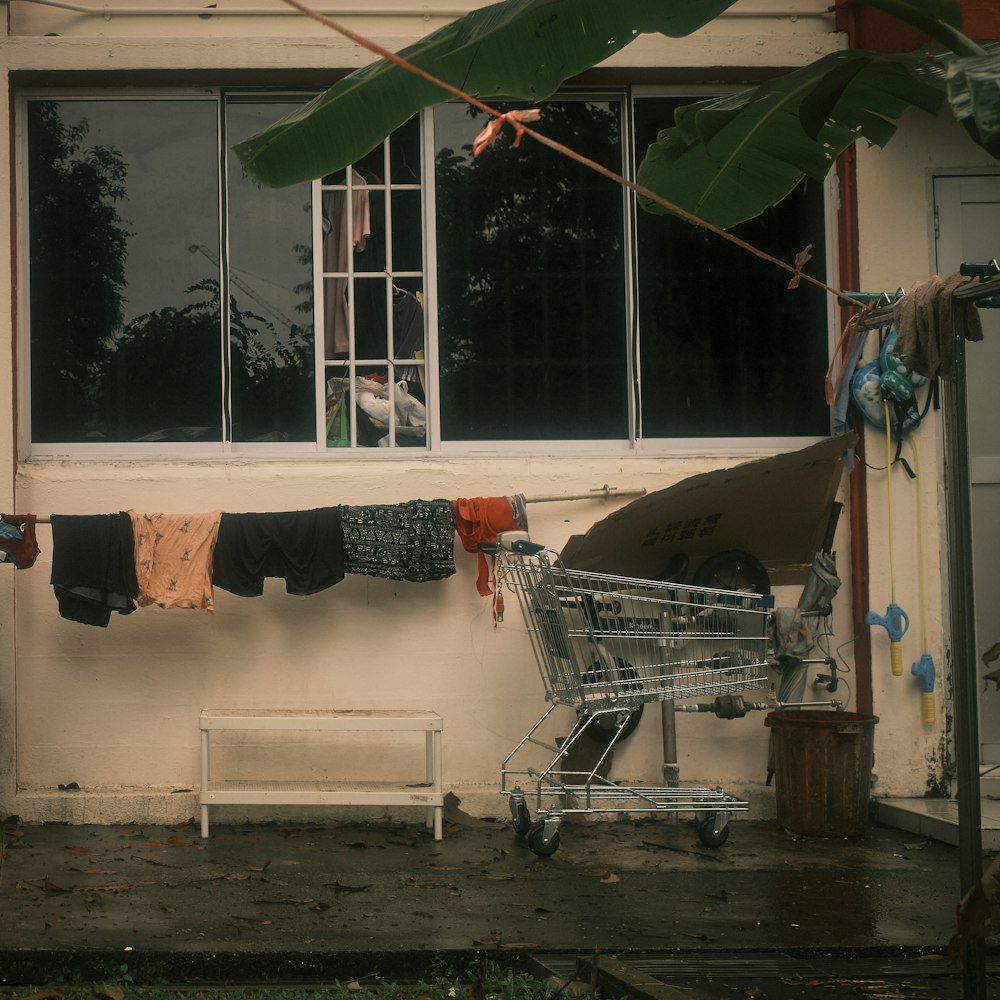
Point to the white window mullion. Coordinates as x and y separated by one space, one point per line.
319 314
224 317
428 210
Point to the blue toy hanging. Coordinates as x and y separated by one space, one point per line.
887 379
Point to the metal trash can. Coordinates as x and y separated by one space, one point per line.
823 766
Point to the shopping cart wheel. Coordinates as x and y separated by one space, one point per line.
537 842
707 834
520 818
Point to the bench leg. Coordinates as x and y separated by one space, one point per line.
434 813
204 782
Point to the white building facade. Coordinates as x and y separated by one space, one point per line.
566 342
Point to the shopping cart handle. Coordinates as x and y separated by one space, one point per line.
526 548
519 542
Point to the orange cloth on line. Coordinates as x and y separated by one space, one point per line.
173 559
478 520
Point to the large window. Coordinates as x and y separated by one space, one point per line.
422 299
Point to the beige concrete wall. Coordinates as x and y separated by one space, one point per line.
897 251
116 709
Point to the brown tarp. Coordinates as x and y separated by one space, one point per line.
774 508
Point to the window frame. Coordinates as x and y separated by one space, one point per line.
634 443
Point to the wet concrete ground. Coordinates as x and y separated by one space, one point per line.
318 902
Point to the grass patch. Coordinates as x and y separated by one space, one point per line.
484 980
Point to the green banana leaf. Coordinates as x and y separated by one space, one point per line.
727 160
516 48
974 94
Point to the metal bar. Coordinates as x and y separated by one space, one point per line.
985 293
606 492
962 603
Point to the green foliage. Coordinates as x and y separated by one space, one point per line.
724 161
483 981
517 48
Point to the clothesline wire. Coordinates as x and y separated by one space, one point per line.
559 147
605 492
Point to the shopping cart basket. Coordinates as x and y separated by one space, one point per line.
606 645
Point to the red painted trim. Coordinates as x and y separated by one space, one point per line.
868 28
849 271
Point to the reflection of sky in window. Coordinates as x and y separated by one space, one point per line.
169 148
267 228
454 129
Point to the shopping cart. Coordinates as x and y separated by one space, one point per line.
605 646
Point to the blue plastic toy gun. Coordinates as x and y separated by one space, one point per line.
895 622
924 670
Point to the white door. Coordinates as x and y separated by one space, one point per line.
967 211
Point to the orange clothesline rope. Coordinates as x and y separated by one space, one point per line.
522 129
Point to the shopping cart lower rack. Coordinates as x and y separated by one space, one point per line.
606 645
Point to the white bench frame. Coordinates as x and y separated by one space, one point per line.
215 791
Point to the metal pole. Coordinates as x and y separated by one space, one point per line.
963 649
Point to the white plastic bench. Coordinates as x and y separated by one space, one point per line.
221 791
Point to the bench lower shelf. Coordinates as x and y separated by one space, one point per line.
428 795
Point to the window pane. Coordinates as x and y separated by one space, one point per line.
271 296
376 382
404 153
531 280
125 323
407 244
726 349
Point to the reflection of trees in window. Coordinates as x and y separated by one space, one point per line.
78 248
97 375
727 349
272 369
531 283
164 347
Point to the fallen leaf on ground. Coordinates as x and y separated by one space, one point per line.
414 884
121 887
611 879
340 887
78 850
109 991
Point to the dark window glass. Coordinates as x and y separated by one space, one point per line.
726 349
271 297
125 320
531 283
